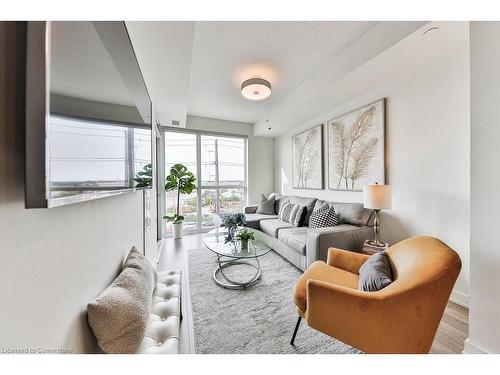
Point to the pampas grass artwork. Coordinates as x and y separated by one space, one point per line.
356 148
307 159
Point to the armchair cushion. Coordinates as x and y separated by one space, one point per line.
346 260
321 271
375 273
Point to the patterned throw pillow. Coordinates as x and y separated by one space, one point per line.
119 315
292 213
324 216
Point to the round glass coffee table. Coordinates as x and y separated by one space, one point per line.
231 254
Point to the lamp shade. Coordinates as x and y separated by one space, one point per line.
377 197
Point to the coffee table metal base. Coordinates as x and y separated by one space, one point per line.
226 282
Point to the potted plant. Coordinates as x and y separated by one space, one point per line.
244 236
231 221
182 180
144 177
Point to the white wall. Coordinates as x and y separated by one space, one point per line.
426 83
260 153
53 261
484 330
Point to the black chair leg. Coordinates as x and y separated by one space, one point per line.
295 330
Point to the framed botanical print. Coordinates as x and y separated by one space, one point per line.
356 148
307 159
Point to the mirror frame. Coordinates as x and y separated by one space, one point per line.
37 168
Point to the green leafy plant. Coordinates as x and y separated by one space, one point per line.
144 177
233 219
183 181
245 235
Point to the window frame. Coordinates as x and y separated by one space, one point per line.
199 187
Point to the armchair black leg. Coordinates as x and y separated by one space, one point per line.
295 330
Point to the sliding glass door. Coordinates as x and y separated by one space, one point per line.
220 164
223 186
181 148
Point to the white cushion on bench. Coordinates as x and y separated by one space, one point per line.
162 332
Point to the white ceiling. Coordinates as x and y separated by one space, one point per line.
81 66
164 52
197 67
285 53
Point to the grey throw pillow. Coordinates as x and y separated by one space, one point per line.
266 205
375 273
119 315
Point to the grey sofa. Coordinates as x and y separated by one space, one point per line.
302 245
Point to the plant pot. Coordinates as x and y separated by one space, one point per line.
244 245
177 229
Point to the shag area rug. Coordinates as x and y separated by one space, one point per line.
256 320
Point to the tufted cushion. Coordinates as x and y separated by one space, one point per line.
162 331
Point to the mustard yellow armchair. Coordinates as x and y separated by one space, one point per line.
401 318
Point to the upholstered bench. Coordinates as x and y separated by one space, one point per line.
162 332
140 311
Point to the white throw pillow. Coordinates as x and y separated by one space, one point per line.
119 315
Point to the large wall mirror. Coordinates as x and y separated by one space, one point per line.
88 120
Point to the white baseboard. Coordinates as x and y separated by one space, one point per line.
459 298
471 348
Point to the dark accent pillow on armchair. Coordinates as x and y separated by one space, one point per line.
375 273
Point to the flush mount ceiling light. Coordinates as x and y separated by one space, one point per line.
256 89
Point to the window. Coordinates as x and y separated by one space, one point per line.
181 148
88 154
221 178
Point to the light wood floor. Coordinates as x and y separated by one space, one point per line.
450 337
452 331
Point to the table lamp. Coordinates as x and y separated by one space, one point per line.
377 197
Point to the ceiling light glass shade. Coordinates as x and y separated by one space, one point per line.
256 89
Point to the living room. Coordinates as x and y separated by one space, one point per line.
284 185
